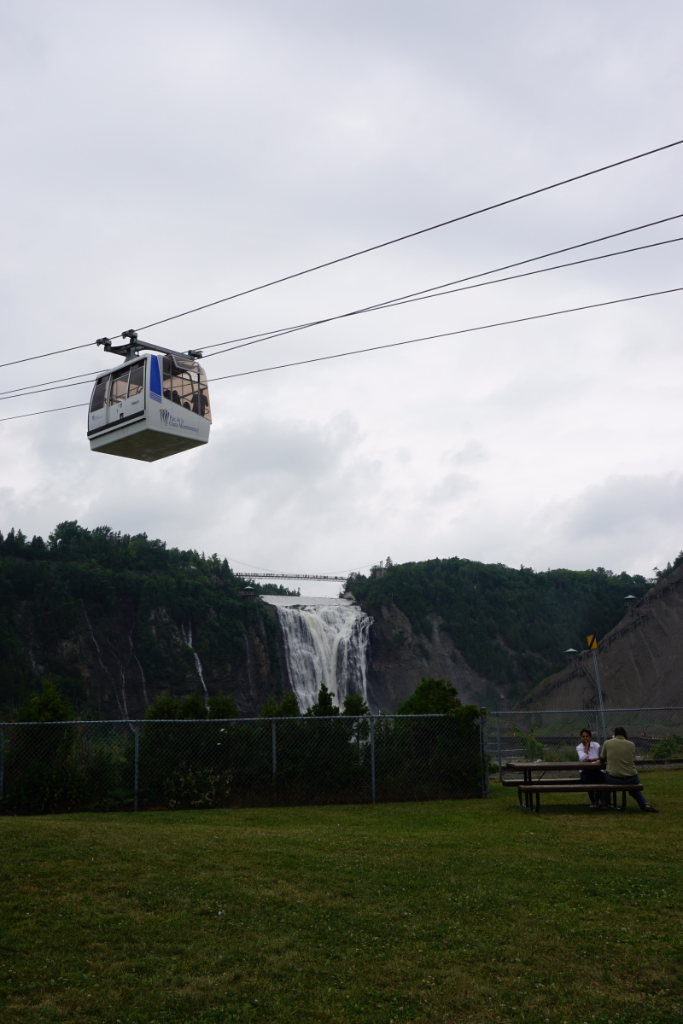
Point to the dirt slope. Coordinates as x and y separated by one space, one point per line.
640 660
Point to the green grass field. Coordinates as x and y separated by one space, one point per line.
464 911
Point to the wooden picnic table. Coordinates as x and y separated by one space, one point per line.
527 787
527 767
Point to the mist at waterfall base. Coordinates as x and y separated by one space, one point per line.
325 641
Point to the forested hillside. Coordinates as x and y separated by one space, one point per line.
511 625
114 620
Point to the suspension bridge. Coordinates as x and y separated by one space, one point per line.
290 576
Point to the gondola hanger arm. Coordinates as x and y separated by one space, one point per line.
136 345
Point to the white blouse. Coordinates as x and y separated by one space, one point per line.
593 751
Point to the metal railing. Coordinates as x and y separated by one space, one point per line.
53 767
554 735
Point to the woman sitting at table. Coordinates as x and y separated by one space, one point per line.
589 753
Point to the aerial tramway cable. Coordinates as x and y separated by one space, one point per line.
409 341
420 297
416 297
372 248
449 334
415 234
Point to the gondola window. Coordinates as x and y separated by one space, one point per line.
119 387
99 394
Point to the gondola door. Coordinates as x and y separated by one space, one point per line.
126 400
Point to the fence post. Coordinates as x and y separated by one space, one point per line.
500 762
2 761
484 756
372 755
274 747
597 727
137 765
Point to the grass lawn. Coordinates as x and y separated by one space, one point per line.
464 911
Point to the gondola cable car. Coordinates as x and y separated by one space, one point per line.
155 405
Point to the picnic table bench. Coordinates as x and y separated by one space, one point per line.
528 787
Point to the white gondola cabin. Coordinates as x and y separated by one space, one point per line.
152 406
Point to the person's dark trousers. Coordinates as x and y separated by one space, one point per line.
632 780
588 775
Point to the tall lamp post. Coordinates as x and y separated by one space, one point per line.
570 654
593 641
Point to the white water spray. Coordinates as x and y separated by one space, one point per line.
326 641
187 637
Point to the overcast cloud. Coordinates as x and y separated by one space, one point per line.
161 155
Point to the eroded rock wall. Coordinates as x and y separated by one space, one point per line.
399 659
640 661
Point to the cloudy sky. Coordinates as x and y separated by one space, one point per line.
157 156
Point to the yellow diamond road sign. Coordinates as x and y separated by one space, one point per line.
592 642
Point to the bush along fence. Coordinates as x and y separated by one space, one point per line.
53 767
554 735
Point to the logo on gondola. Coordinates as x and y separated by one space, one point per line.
164 416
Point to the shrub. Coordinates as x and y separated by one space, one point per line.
221 706
671 746
49 706
164 707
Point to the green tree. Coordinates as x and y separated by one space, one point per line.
431 697
671 746
533 749
192 706
324 707
288 707
48 706
222 706
355 706
164 707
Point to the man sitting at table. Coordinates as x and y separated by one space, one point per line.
620 755
589 753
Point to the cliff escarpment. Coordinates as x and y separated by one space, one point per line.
640 660
399 658
115 621
495 632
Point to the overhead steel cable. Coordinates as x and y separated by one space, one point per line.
413 234
42 412
452 291
40 389
37 389
448 334
267 335
398 344
371 248
58 380
44 355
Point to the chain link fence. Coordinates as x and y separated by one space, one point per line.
55 767
554 735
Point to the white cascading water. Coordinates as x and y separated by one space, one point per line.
187 637
326 641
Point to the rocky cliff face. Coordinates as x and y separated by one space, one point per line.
399 659
104 653
640 661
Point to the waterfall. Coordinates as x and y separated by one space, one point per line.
187 637
326 641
